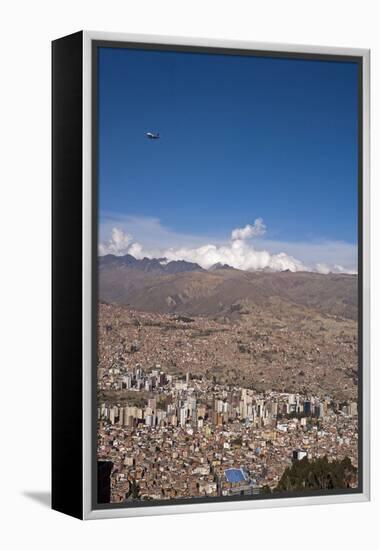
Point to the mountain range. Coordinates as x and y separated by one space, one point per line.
147 265
161 286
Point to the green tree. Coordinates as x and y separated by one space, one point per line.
134 491
318 474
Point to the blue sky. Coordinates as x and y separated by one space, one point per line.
241 138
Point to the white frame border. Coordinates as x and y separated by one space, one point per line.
88 512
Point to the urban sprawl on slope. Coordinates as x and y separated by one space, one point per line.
180 434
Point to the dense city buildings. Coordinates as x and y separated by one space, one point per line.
180 431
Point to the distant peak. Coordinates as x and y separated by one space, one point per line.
161 265
220 265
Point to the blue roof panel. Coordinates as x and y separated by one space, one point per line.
235 475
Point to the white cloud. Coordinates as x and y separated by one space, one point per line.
136 250
327 252
335 268
118 244
255 230
238 252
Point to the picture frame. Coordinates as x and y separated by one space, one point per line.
77 144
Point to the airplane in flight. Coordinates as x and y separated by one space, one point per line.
151 135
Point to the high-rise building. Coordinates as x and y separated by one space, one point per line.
307 408
183 416
352 409
299 454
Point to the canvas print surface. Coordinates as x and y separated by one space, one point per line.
227 284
